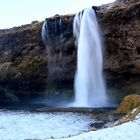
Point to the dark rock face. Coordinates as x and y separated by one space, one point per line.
60 51
121 30
26 64
122 38
23 58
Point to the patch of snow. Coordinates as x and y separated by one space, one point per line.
126 131
25 125
134 110
61 126
138 116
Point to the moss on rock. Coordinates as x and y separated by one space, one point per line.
8 70
129 103
31 66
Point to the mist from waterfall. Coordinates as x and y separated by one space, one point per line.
89 83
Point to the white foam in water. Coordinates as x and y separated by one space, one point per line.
89 83
23 125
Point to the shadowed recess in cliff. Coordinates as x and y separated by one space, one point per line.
58 39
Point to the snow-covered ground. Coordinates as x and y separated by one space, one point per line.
126 131
61 126
41 126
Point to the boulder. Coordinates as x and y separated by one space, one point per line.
129 103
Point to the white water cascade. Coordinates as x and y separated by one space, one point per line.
89 82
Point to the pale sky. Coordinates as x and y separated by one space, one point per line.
18 12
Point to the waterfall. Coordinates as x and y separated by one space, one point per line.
89 83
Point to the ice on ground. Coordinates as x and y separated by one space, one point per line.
126 131
61 126
25 125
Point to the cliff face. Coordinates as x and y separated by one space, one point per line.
120 23
23 59
26 64
122 37
61 53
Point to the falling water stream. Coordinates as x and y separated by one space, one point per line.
89 83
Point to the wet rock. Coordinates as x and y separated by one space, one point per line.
61 53
98 125
129 116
